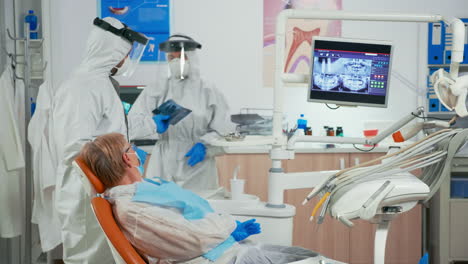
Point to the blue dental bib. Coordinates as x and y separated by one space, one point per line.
169 194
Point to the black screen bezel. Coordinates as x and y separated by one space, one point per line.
349 98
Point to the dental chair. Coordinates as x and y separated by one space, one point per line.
379 193
122 251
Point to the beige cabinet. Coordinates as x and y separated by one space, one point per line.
330 238
447 217
333 239
253 168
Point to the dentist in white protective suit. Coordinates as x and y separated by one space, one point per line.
182 153
85 106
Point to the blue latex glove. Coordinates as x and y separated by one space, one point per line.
197 154
162 123
424 259
246 229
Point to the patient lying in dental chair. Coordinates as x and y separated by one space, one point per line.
168 224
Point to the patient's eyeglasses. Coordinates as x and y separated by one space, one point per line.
131 146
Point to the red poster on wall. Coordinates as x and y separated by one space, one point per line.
299 33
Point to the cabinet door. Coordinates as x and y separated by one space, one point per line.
253 168
331 238
404 238
458 229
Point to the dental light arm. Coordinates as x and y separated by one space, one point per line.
387 132
458 29
460 89
451 89
452 92
410 131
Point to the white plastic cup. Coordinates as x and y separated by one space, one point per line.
237 189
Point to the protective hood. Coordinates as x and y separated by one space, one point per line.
104 50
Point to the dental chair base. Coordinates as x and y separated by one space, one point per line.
380 239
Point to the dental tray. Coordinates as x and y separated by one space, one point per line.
246 119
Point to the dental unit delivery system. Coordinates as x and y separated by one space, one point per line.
282 148
379 191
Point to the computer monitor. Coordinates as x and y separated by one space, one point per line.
350 71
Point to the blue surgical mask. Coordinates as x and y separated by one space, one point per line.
140 167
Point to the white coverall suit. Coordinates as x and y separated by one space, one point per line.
209 118
85 106
163 235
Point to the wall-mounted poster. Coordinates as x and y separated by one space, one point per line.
299 33
150 17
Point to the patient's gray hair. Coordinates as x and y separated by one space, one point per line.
104 157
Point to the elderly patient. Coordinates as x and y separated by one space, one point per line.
167 224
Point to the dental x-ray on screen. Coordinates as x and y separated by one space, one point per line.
350 72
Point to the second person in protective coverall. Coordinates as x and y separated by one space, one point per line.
182 154
85 106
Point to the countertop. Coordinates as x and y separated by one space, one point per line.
309 148
301 148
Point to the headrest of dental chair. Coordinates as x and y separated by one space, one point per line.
103 211
93 179
367 199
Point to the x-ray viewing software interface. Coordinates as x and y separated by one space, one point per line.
354 72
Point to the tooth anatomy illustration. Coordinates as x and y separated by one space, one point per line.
299 36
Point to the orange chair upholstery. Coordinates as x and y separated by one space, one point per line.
95 182
103 212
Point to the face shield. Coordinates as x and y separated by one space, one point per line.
179 50
138 41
